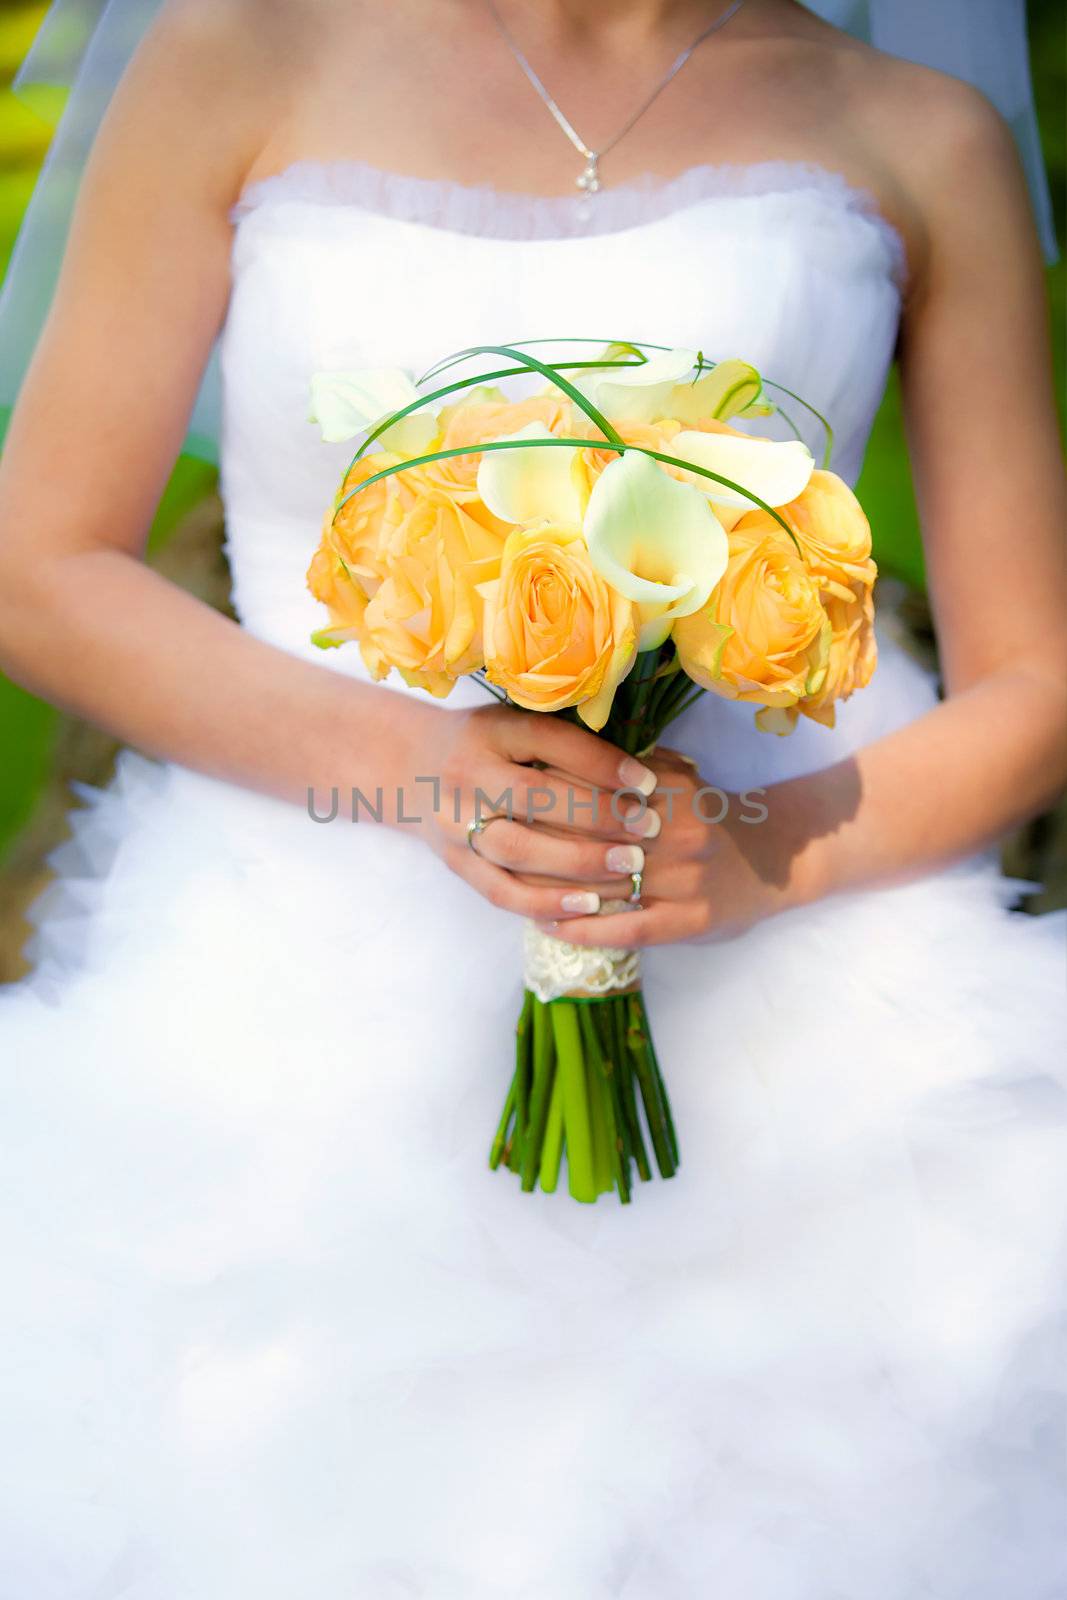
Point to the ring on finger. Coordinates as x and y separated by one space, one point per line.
478 825
637 880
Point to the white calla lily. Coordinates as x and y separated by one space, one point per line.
346 404
526 486
656 541
638 393
730 389
775 472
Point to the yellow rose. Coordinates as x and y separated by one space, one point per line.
347 567
331 581
833 534
649 435
475 423
556 634
835 538
660 436
425 617
764 636
853 653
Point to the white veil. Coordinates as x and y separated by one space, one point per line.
84 45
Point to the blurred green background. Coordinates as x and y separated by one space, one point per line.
40 750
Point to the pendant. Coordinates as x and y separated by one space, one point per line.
589 181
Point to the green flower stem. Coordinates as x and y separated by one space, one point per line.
500 1138
645 682
673 705
552 1148
587 1078
618 1168
667 686
618 1142
652 1091
690 698
600 1018
653 1112
626 1089
599 1110
571 1071
523 1050
628 721
544 1076
637 1032
628 1130
672 1136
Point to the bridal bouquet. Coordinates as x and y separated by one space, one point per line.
607 548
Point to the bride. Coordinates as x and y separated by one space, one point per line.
272 1327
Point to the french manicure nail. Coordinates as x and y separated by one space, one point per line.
635 775
584 904
645 824
625 858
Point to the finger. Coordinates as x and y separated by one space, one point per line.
544 797
501 889
536 851
625 806
571 749
567 806
665 756
661 922
490 794
607 889
672 881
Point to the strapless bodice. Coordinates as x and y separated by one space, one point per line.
335 266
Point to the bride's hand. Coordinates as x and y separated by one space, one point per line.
557 842
716 864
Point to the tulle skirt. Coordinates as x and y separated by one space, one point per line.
273 1328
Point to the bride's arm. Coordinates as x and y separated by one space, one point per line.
100 419
981 425
985 454
988 471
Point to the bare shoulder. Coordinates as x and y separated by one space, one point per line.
253 35
209 81
932 126
238 33
193 44
938 151
912 106
955 159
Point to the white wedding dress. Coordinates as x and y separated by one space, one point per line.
273 1329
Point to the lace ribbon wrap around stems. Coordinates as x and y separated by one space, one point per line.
556 970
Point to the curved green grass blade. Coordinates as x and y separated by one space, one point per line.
454 388
531 364
703 365
564 444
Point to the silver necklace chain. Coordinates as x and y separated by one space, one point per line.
589 179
